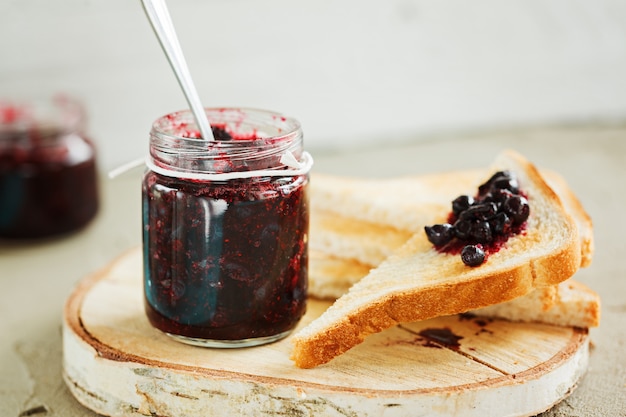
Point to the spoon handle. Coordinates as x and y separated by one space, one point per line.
161 22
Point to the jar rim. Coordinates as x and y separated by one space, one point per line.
57 113
181 125
176 145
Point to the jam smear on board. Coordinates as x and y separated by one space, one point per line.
443 336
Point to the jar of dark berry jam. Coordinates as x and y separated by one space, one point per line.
48 179
225 228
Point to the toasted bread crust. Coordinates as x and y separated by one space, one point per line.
402 308
569 303
411 291
573 206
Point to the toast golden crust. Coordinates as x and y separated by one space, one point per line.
569 303
403 308
573 206
417 282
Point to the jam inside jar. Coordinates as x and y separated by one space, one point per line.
225 228
48 175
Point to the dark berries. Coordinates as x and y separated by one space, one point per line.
505 183
517 208
501 180
473 255
481 232
461 203
463 229
439 234
219 133
479 211
498 197
501 223
483 223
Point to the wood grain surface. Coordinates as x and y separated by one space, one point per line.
116 364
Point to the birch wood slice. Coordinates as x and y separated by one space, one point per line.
116 364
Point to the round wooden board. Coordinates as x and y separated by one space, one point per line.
116 364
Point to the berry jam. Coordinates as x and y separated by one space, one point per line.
48 179
227 262
481 225
225 259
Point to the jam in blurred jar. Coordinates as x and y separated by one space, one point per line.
48 177
225 228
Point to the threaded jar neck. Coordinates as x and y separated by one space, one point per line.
259 139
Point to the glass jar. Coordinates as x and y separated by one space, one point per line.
226 228
48 176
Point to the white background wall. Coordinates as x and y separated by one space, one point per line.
355 72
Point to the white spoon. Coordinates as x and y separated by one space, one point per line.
161 22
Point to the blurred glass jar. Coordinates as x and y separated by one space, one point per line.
48 176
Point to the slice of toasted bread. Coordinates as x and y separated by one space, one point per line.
392 202
569 303
344 249
349 238
331 277
350 220
418 282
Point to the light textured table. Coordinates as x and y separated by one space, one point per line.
36 279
